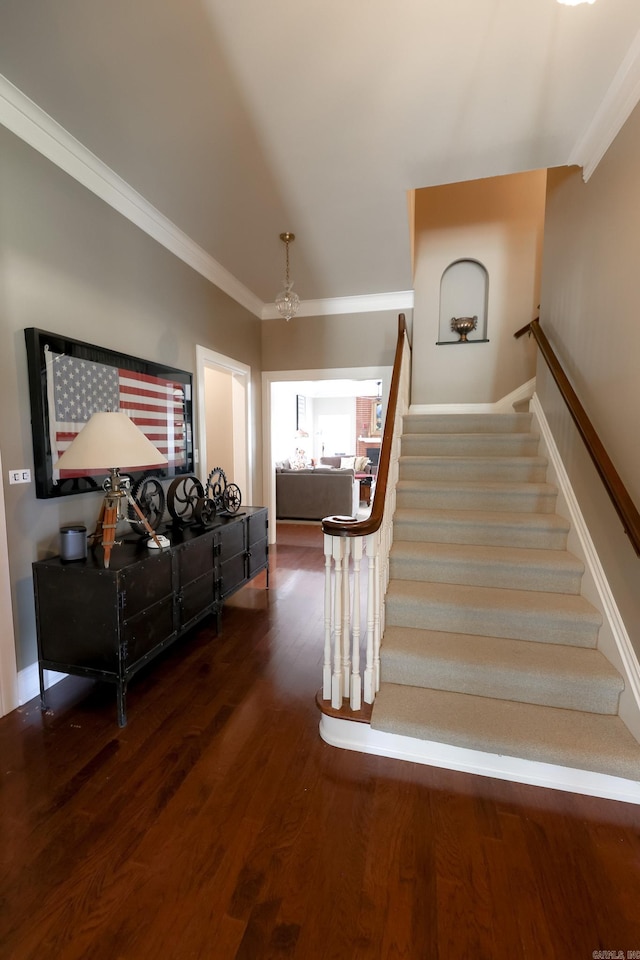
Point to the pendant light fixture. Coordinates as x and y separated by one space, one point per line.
287 301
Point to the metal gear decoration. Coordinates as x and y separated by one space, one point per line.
149 495
226 496
216 485
232 498
204 511
182 497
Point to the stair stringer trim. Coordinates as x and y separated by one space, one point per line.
361 738
613 639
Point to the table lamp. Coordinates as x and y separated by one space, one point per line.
107 439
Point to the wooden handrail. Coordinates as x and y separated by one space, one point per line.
361 528
526 329
618 493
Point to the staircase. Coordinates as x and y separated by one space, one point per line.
488 644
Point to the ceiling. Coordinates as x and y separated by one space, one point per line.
239 119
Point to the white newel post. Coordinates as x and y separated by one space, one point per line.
341 677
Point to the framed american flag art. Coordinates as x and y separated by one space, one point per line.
70 380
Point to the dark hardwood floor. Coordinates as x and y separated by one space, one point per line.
218 826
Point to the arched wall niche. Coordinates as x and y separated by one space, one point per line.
464 292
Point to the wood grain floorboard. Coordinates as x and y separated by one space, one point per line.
218 826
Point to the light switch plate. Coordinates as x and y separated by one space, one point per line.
20 476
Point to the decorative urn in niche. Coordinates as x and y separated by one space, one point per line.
463 326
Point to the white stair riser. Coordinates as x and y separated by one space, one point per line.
498 445
448 531
473 469
476 573
467 423
442 498
517 685
530 624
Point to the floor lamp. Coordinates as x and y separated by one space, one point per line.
107 439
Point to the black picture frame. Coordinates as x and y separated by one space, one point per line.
376 418
43 349
301 412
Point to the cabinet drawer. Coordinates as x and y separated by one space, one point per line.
230 540
196 598
257 527
78 617
257 557
147 630
194 559
144 584
232 574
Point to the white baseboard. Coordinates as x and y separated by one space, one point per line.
361 738
29 683
613 641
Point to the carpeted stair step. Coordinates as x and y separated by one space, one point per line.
470 444
577 678
473 469
490 495
547 531
467 422
493 612
488 643
514 568
570 738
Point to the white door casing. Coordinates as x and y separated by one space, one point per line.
269 377
8 671
241 425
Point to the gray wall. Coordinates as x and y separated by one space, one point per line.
325 343
590 297
71 265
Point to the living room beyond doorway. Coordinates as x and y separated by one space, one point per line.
311 419
311 414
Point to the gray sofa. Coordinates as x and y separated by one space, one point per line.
312 494
364 468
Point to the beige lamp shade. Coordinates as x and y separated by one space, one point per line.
110 440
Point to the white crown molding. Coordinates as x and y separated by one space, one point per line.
366 303
29 122
618 102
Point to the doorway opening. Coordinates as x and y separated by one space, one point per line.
224 419
326 394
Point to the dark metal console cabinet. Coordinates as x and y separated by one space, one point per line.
107 624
